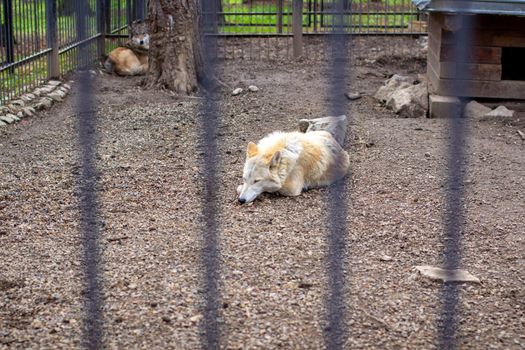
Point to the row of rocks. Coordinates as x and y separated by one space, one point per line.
409 98
28 104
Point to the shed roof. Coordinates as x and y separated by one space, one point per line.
497 7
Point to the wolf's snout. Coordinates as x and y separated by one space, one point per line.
142 42
242 200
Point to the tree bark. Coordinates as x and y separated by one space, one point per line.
175 56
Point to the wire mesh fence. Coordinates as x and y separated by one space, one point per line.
40 39
276 17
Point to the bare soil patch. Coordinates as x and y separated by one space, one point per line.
272 253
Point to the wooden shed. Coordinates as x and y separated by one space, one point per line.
494 65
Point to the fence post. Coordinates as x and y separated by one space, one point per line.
7 33
101 27
297 26
129 14
53 63
279 16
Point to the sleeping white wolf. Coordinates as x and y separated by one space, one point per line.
289 163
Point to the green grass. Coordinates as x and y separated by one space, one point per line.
243 23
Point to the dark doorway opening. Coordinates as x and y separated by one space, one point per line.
512 63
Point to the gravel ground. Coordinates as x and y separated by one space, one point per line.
272 253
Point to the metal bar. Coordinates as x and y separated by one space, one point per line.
324 33
53 63
209 122
335 332
280 16
79 43
454 215
101 27
8 37
297 27
25 60
88 198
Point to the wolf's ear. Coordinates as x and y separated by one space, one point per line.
252 150
276 159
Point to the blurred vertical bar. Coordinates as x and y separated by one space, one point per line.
335 332
280 16
209 122
90 225
53 66
129 13
454 216
101 27
297 27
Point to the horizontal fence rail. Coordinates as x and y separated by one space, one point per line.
40 39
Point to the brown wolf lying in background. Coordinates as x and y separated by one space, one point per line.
132 59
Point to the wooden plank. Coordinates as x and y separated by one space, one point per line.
499 22
490 37
477 54
505 89
433 46
434 27
474 71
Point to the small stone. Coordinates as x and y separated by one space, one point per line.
19 103
522 134
132 286
37 92
12 108
67 86
37 324
47 89
64 90
236 91
353 95
500 112
20 115
253 88
2 123
166 319
46 102
436 273
26 98
385 257
29 111
60 93
196 318
9 119
427 154
54 82
474 109
55 96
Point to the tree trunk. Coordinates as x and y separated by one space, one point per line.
175 56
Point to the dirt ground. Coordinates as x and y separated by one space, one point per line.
272 253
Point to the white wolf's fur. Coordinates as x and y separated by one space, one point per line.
289 163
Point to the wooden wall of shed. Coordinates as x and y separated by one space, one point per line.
490 33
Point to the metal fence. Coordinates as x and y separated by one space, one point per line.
276 17
40 39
